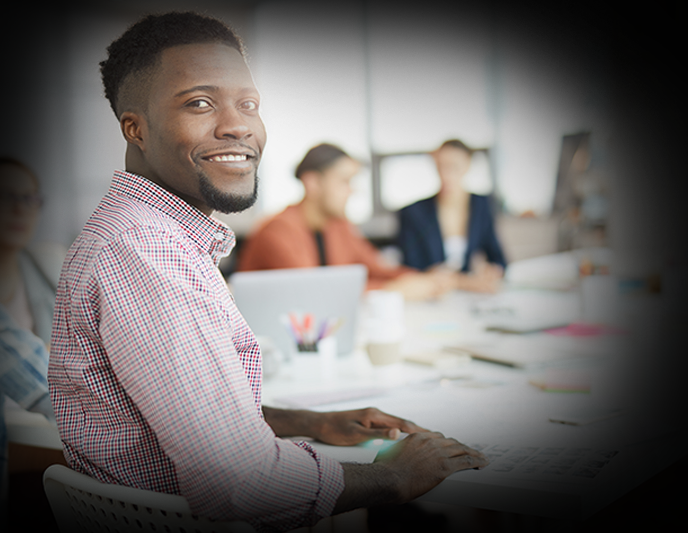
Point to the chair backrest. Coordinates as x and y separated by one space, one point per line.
83 504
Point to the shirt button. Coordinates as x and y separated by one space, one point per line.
219 236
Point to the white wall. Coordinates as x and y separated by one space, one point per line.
308 64
371 75
391 77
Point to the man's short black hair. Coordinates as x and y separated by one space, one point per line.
319 158
459 145
139 48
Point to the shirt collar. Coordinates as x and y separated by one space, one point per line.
210 235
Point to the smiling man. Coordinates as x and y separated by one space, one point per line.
154 375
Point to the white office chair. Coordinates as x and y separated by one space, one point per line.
83 504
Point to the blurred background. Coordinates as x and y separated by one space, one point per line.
575 109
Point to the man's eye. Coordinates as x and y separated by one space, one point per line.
199 104
249 105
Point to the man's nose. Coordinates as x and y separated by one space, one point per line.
232 124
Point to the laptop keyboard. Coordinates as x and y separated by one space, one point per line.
559 463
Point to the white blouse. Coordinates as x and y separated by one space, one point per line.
454 251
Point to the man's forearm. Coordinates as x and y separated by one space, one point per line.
402 472
366 485
290 423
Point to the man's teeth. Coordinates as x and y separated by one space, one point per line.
228 157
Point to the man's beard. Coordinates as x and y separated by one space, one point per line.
223 202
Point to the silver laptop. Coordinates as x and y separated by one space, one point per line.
266 298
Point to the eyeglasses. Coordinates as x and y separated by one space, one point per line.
8 199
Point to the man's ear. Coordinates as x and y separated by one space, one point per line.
133 126
311 182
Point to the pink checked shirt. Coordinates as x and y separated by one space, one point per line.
155 377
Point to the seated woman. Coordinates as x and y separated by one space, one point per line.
27 296
445 231
28 273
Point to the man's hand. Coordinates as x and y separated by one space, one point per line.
423 460
341 428
406 470
346 428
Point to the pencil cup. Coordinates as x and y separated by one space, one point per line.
316 361
327 351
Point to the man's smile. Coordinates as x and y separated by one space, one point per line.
235 156
227 157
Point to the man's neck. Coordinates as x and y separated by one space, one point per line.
315 218
135 163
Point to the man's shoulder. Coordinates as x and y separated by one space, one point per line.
343 228
124 224
119 217
287 220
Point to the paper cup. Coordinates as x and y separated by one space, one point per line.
384 353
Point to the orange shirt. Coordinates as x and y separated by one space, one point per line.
286 241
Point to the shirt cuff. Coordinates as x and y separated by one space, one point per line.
331 482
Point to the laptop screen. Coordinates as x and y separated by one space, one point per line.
266 298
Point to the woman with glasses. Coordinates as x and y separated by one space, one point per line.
27 296
26 291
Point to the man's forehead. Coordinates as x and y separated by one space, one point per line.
203 60
344 167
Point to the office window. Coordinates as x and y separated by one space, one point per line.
308 63
407 178
349 74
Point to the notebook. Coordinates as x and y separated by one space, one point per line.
267 297
521 311
534 349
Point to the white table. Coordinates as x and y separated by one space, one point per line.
491 404
494 404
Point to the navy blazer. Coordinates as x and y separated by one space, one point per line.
420 237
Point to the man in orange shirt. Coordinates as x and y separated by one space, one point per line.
316 232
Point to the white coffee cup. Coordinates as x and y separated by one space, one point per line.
384 326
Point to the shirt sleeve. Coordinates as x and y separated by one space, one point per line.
23 367
166 331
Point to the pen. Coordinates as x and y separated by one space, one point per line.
334 327
323 329
285 320
307 326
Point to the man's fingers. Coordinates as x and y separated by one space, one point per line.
381 433
465 454
405 426
409 427
468 461
457 450
379 419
